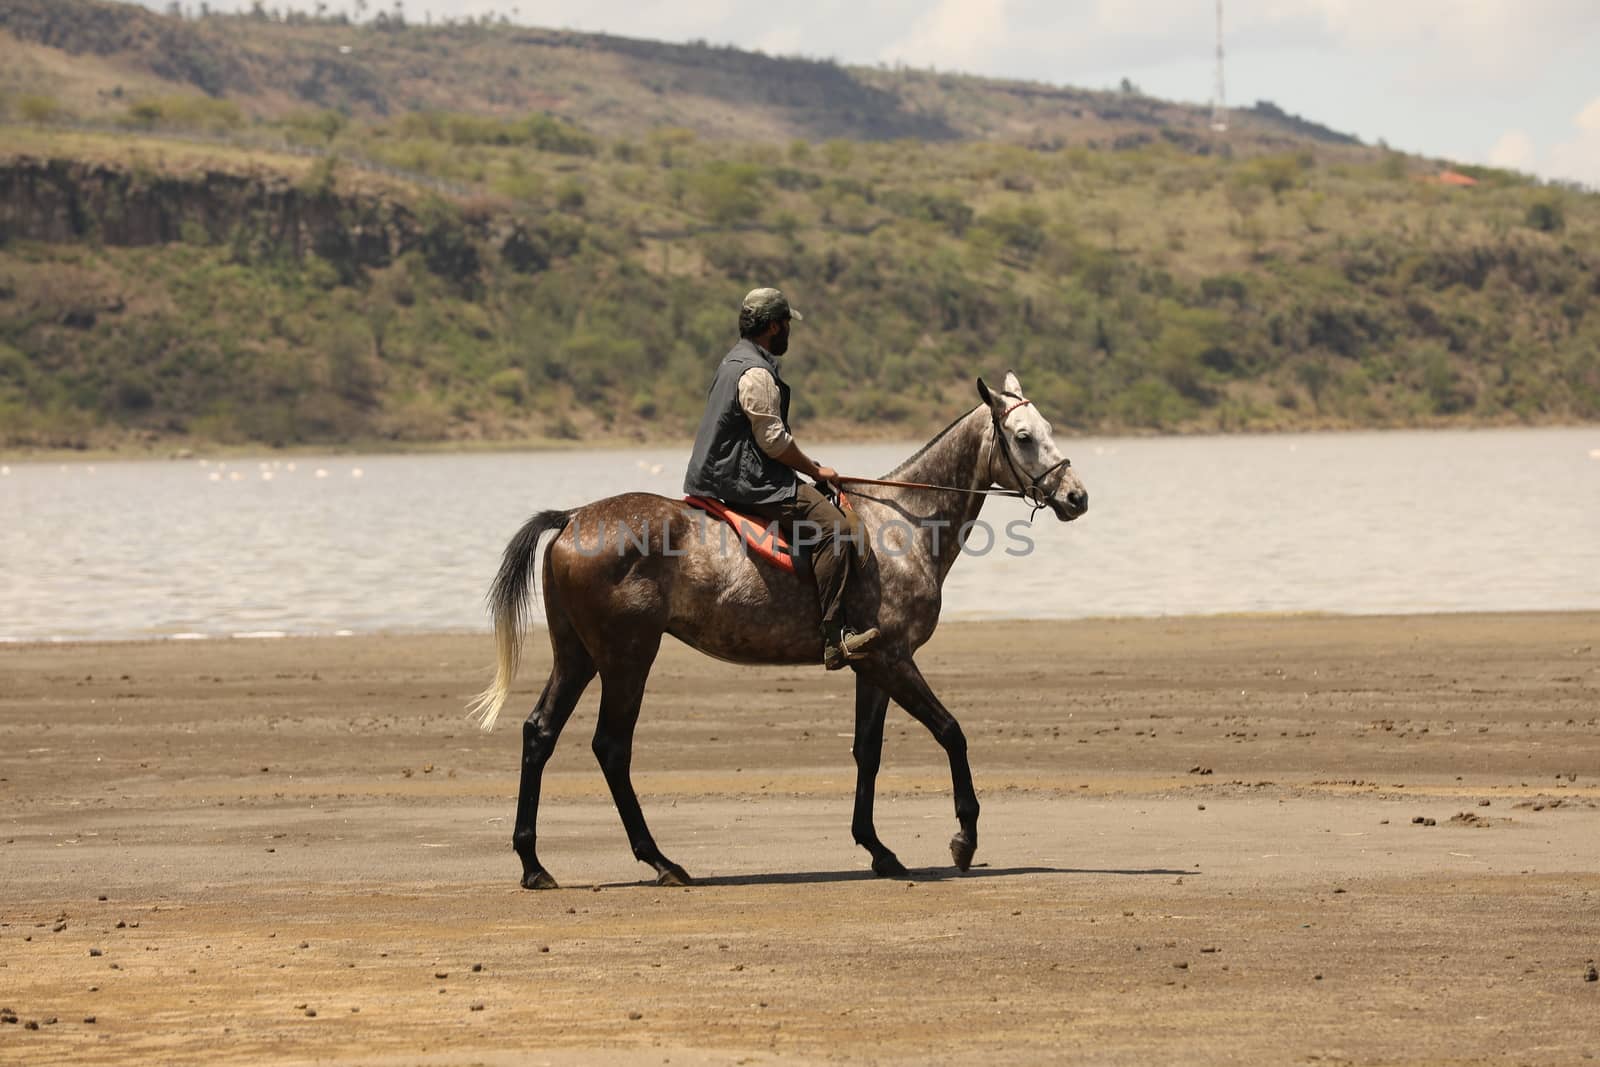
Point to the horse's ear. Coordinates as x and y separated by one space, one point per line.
983 391
1012 385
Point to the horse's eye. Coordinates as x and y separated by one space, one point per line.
1024 435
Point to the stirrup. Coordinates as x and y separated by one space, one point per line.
848 648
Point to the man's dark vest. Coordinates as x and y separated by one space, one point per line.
727 463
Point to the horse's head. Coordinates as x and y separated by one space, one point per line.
1026 457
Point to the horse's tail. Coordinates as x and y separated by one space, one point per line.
510 596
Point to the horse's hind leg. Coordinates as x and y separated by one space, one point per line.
571 674
871 705
910 690
622 691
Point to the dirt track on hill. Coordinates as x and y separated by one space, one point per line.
1198 845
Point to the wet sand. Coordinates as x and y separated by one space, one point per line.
1198 844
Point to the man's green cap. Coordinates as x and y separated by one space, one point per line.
762 306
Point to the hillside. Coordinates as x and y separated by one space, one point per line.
613 86
494 233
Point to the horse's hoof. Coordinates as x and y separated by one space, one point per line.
539 879
962 851
887 866
674 876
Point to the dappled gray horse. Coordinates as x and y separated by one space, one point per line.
625 570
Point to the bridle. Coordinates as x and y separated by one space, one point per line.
1034 492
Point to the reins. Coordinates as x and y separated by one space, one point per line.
926 485
1034 494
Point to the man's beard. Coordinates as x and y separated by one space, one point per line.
780 341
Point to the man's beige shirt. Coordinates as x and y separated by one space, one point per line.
758 396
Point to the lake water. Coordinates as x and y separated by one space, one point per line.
1352 523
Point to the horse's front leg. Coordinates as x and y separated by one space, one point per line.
871 705
901 679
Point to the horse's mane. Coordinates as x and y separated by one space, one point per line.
919 453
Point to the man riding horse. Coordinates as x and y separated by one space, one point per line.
746 455
611 596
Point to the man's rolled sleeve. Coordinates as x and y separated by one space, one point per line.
758 396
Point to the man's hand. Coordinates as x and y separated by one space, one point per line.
801 463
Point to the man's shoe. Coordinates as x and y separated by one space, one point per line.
848 647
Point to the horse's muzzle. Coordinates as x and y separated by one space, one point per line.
1070 505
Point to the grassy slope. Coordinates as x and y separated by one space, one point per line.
615 86
1146 288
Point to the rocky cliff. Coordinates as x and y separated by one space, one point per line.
259 216
61 200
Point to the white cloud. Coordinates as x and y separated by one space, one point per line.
1487 38
958 34
1514 151
1445 41
1579 159
781 41
1588 119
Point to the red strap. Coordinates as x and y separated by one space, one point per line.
770 546
1013 407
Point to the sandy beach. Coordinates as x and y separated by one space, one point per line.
1231 840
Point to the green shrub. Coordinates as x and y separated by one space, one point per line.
316 127
571 195
133 395
1546 216
322 178
1278 173
37 108
510 384
1152 403
550 134
202 113
728 193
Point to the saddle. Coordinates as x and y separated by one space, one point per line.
763 541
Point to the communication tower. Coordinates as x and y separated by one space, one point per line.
1219 95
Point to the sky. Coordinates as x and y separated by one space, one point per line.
1514 83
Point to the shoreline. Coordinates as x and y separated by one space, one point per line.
536 626
182 451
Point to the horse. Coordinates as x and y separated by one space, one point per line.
624 571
